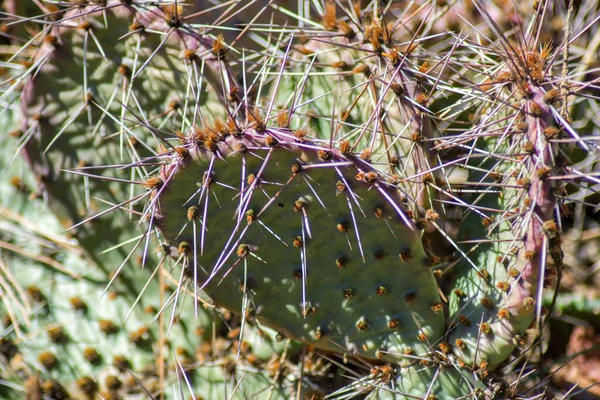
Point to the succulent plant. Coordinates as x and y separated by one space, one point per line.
66 334
80 114
281 229
363 182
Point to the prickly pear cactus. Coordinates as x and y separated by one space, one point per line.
494 303
414 324
67 334
71 328
283 229
99 77
362 181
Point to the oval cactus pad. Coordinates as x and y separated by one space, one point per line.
310 241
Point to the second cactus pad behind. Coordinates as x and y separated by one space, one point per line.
309 240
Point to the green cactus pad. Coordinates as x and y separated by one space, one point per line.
316 239
103 75
497 295
427 382
380 108
60 334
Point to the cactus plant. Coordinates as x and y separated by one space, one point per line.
64 335
70 117
340 184
286 225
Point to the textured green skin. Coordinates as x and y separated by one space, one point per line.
57 93
493 349
154 88
38 97
511 240
345 92
362 107
446 383
275 294
102 82
82 328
